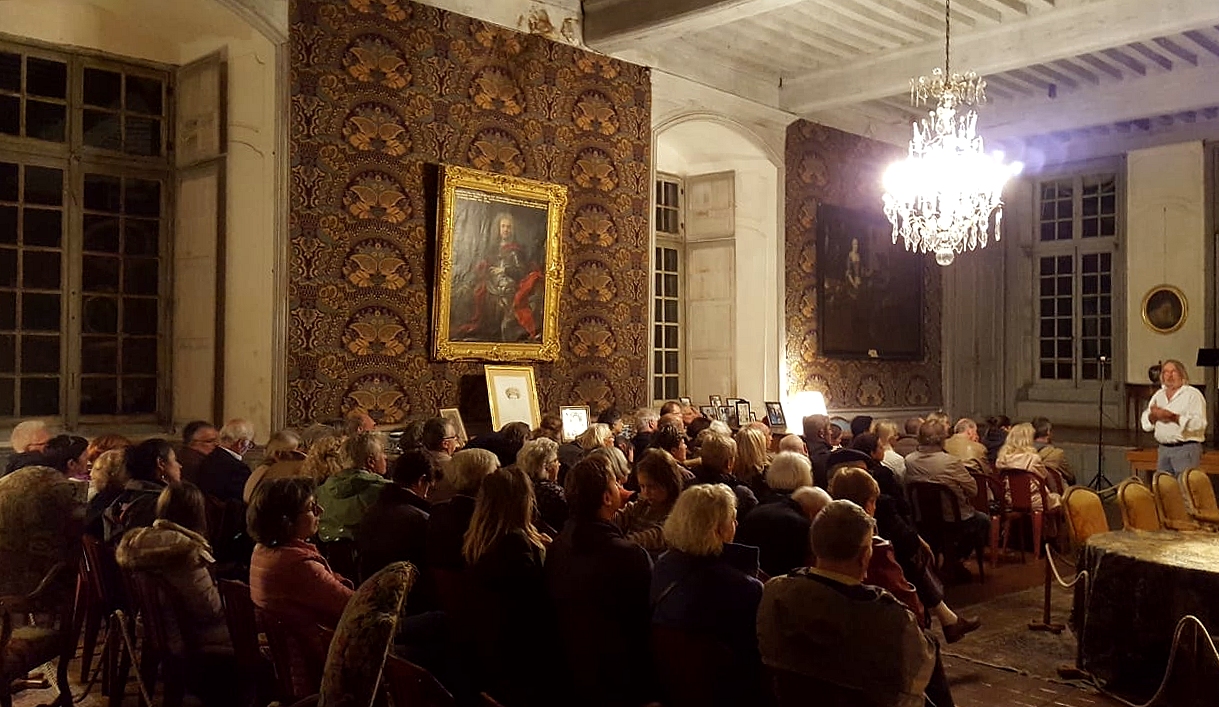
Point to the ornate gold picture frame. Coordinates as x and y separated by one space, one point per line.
499 267
1165 309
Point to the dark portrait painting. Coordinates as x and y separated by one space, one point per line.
499 260
1164 309
870 290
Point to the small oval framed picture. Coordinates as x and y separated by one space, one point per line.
1165 309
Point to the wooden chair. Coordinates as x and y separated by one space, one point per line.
25 647
990 499
171 650
410 684
298 653
1138 506
242 619
1022 485
1201 496
1171 502
928 501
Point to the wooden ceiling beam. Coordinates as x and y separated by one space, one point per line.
627 24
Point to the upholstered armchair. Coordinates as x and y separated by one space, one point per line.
1085 515
1138 506
1201 496
1171 502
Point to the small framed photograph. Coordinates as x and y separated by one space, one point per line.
513 394
728 415
753 416
742 412
709 412
775 416
716 401
575 420
453 415
684 400
731 402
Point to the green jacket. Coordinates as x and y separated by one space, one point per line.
344 497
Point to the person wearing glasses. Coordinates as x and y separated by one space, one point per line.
29 440
199 439
439 443
1177 416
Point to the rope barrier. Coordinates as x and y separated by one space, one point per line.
129 644
1082 574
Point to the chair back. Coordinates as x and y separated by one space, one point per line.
1024 486
298 654
1138 506
697 669
929 502
103 573
242 618
168 627
989 498
410 684
1171 502
1054 481
1085 514
1201 495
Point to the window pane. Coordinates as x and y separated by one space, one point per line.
99 354
8 267
103 193
40 396
139 316
43 227
44 77
1047 371
39 354
139 356
1065 371
8 353
8 181
670 337
100 274
102 130
10 72
40 312
103 88
658 388
658 361
8 310
140 276
139 396
101 234
8 224
670 311
657 337
143 197
141 237
143 95
46 121
7 399
101 315
670 285
10 115
99 396
40 269
670 388
43 185
670 260
142 137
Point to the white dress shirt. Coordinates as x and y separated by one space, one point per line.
1189 404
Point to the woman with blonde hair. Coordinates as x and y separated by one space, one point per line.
325 459
886 433
505 612
752 459
284 458
539 459
107 477
1019 452
706 585
660 480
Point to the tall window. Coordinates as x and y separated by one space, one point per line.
1076 239
666 293
84 175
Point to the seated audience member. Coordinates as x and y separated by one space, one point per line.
886 435
284 458
505 443
199 439
693 430
222 474
323 460
613 418
816 436
778 527
793 443
288 576
860 424
550 427
660 483
28 440
885 570
69 455
394 527
811 499
176 548
706 586
997 427
348 494
508 609
671 439
822 632
440 443
1054 458
1019 452
539 459
964 445
839 433
930 463
358 421
450 520
646 420
907 442
752 461
598 582
104 443
107 478
149 465
718 456
411 438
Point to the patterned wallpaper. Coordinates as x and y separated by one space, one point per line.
833 167
385 91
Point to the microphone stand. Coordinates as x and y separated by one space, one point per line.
1100 481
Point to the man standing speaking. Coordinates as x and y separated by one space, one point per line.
1177 415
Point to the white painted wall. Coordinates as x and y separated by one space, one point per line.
1166 244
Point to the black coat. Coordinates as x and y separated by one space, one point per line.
446 530
394 528
222 476
819 457
599 582
779 529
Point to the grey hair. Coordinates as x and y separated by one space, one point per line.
468 467
535 455
841 531
236 430
789 471
699 512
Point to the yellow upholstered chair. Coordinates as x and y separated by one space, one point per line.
1171 502
1085 515
1201 496
1138 506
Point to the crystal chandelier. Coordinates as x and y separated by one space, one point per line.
942 197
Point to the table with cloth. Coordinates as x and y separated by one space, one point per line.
1141 585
